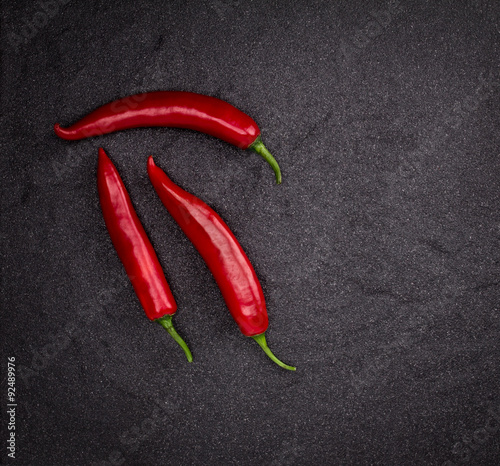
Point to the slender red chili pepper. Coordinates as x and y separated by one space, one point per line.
223 254
174 109
135 249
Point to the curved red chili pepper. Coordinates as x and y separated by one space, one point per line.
223 254
174 109
135 249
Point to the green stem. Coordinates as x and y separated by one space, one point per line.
261 340
166 322
259 147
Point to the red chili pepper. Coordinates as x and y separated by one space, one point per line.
135 249
174 109
223 254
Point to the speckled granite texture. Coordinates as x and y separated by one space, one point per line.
378 255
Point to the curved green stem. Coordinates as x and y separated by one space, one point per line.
261 340
166 322
259 147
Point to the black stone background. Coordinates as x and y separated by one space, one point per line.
378 255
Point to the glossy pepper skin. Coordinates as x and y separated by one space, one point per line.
222 253
134 248
174 109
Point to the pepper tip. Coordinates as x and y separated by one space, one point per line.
57 129
62 132
102 154
151 164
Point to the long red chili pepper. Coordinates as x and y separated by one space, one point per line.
135 249
223 254
174 109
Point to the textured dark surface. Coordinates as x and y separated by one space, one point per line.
378 255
